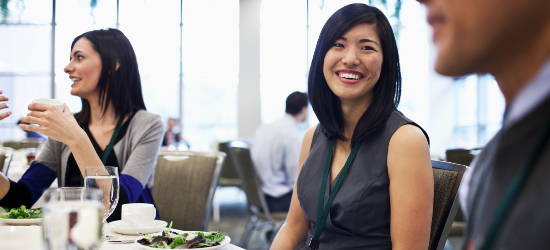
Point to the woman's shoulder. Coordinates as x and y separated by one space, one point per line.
143 117
146 122
404 126
309 138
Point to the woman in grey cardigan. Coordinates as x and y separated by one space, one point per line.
104 70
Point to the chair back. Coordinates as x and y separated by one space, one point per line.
229 177
16 145
447 178
184 185
5 160
460 156
463 157
240 154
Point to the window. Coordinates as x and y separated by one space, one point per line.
210 71
283 54
25 59
480 106
154 29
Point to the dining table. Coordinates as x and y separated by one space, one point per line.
30 238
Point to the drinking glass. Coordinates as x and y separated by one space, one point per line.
72 218
106 179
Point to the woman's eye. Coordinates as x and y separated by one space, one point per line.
368 48
338 45
79 57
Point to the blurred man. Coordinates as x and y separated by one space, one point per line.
276 151
173 137
508 196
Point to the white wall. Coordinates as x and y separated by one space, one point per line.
249 105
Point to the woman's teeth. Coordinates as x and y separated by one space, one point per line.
349 76
76 79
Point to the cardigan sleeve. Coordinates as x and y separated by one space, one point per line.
140 165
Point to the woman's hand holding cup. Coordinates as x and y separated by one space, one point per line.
54 120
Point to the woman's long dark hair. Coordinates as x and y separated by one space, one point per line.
122 86
386 92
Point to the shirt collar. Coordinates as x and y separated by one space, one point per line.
533 94
289 117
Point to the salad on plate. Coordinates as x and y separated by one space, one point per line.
170 239
22 213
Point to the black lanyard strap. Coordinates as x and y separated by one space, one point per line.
514 188
109 147
323 213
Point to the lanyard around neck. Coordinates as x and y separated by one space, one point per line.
323 213
513 190
109 147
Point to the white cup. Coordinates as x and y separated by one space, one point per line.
57 103
138 214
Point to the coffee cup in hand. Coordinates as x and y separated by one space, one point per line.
57 103
138 214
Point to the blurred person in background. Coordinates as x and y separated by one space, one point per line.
3 106
104 70
505 192
173 137
276 151
365 178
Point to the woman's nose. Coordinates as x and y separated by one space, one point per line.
350 58
69 68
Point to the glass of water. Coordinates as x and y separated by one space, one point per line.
72 218
106 179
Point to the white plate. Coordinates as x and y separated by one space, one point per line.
21 221
119 227
224 242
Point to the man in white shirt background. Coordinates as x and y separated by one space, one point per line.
276 150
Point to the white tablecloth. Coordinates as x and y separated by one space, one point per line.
33 240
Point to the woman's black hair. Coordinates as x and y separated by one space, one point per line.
386 92
122 86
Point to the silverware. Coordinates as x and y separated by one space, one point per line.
121 241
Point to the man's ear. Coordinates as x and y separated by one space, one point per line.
117 65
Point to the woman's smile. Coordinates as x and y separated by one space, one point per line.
75 80
349 76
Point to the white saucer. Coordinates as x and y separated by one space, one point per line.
119 227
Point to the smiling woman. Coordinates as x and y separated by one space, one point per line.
375 188
113 128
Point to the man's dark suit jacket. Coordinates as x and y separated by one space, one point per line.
527 225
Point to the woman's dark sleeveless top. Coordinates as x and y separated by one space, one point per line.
359 217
